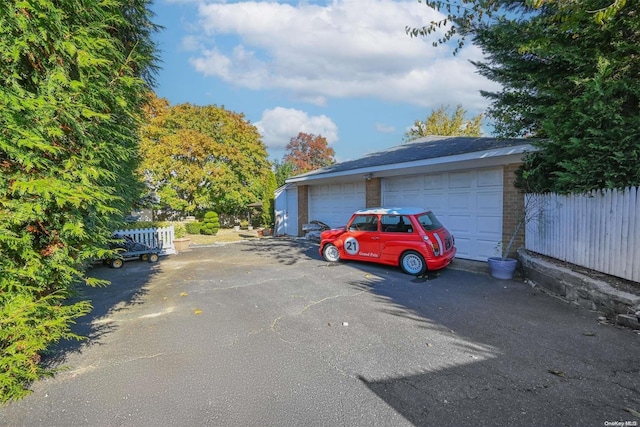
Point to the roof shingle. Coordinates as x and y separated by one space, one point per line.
430 147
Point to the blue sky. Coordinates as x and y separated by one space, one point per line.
343 69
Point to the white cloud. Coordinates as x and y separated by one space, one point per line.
346 48
384 128
190 43
278 125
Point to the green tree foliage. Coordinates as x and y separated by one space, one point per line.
307 152
283 170
210 223
578 89
441 123
196 158
464 17
268 201
71 89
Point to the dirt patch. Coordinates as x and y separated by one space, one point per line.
223 236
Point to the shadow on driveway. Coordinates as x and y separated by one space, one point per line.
285 251
486 352
512 355
127 289
500 352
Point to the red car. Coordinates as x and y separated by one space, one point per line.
411 238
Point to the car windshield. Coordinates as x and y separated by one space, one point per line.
364 223
429 221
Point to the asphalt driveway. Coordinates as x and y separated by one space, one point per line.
264 333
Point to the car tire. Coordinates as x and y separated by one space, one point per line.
117 263
144 257
331 253
413 263
153 257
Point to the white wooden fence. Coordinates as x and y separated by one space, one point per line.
599 230
153 237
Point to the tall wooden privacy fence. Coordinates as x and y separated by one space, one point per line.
599 230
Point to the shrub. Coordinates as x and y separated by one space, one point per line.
210 223
193 227
179 230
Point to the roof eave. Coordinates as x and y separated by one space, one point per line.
503 155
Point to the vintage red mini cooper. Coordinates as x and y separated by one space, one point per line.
411 238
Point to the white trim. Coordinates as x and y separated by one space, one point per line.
392 211
496 157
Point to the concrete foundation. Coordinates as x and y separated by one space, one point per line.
581 289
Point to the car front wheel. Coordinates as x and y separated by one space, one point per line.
331 253
412 262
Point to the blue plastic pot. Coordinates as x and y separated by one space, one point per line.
502 268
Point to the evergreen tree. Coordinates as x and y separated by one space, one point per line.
210 223
73 78
282 171
463 18
268 200
579 89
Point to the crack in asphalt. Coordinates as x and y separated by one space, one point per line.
151 356
224 288
340 370
79 370
308 306
237 339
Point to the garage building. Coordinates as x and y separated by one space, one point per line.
467 182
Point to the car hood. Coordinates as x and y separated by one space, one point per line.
333 233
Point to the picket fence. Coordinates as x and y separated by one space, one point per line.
599 230
153 237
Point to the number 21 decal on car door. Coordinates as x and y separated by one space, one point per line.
351 246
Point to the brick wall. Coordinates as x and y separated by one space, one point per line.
512 208
374 193
303 207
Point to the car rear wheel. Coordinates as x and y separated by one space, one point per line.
153 257
117 263
331 253
412 262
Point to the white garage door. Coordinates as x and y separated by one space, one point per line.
334 204
468 203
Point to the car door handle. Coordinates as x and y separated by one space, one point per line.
375 238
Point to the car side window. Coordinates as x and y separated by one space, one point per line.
364 223
396 224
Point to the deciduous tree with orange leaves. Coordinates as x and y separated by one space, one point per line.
307 152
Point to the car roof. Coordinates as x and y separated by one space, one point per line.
392 211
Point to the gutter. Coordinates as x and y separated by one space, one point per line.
490 157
